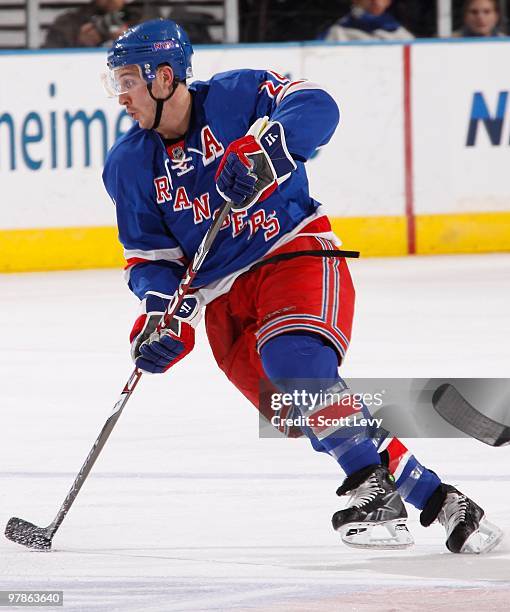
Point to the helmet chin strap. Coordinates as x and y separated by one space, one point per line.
160 102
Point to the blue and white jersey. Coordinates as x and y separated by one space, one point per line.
165 194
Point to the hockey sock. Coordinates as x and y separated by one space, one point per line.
306 363
414 482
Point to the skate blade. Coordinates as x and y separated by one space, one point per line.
360 535
484 539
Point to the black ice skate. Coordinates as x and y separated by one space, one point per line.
467 529
374 504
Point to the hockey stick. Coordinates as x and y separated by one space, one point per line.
454 408
26 533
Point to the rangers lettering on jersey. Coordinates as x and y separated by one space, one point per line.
165 192
162 185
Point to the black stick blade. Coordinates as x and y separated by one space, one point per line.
455 409
25 533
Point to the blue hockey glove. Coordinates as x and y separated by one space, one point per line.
253 166
155 352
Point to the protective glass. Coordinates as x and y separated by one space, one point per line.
122 80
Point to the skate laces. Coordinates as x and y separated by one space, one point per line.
453 511
366 492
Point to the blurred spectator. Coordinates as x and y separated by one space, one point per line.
95 24
368 20
480 18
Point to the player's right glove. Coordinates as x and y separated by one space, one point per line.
156 351
253 166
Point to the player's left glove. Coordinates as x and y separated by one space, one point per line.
156 351
253 166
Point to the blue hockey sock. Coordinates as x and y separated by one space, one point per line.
425 484
414 481
294 361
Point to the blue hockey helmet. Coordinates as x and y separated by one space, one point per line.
150 44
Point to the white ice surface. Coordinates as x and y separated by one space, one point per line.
187 509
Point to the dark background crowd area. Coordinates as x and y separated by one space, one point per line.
291 20
89 23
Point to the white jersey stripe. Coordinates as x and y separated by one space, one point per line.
165 254
295 86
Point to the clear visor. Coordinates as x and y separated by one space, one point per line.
122 80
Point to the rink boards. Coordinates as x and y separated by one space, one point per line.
416 166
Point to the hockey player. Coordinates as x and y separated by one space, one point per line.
277 292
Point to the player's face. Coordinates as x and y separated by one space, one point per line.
133 95
481 17
374 7
122 80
